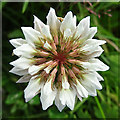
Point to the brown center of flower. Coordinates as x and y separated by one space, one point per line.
61 57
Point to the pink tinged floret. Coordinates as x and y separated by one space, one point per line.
56 39
76 70
72 75
40 60
43 54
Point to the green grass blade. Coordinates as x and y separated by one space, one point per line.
25 5
78 105
100 108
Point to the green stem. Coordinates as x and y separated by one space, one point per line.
78 106
100 108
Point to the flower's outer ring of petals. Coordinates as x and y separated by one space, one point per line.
58 103
33 87
82 27
53 22
25 50
18 71
24 79
67 97
32 36
67 33
81 90
47 100
69 22
42 28
17 42
92 31
22 63
97 65
94 42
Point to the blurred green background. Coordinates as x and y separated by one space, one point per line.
104 16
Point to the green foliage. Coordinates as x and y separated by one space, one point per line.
105 105
25 5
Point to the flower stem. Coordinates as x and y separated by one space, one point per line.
78 105
99 106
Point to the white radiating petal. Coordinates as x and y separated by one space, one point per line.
25 50
17 42
47 100
94 65
24 79
18 71
100 78
69 22
95 42
53 21
80 97
81 90
92 31
58 103
98 65
67 33
91 79
22 63
32 36
34 69
65 83
97 52
47 87
41 27
32 89
85 22
67 97
82 28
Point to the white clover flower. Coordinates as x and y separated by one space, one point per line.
59 60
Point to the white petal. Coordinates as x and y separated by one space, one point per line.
100 78
53 21
81 90
17 42
92 79
25 50
67 97
91 44
98 65
92 32
18 71
69 22
34 69
80 97
24 79
58 103
89 86
41 27
67 33
82 27
85 22
47 100
65 83
22 63
92 49
32 36
47 87
94 65
97 52
95 42
32 88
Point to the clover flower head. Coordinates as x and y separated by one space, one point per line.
59 60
